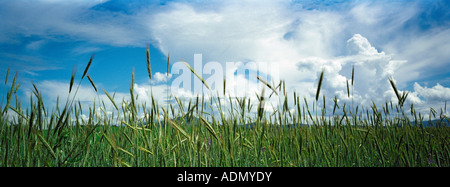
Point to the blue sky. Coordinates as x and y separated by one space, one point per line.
43 40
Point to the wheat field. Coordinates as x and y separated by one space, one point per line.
203 134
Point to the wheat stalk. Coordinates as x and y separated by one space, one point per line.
319 85
196 74
353 73
88 65
348 90
267 84
92 82
111 99
72 78
149 68
7 74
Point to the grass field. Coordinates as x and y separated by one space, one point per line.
191 134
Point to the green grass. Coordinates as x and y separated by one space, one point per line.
193 136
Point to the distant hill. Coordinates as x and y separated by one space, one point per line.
434 123
195 121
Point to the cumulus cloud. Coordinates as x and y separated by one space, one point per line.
372 70
436 93
228 33
376 38
302 42
358 45
161 77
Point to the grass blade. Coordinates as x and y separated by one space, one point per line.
72 78
7 75
125 151
196 74
348 90
209 127
145 150
224 85
319 85
149 67
109 141
88 65
391 80
267 84
43 141
19 113
353 73
92 82
9 95
179 129
111 99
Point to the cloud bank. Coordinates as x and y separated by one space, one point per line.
302 42
378 39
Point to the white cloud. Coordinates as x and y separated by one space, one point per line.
35 45
303 42
360 45
372 69
384 14
273 33
161 77
54 89
437 93
425 52
299 41
72 19
229 33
